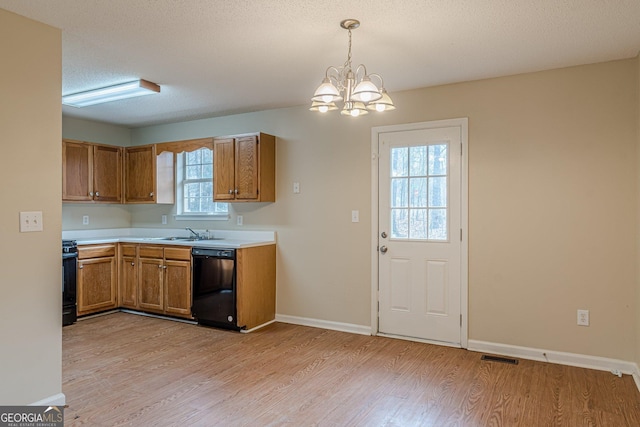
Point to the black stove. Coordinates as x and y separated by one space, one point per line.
69 269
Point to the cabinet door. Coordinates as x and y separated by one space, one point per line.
177 281
107 173
151 295
77 165
139 168
246 168
96 285
223 169
128 277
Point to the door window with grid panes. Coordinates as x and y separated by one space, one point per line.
419 192
195 184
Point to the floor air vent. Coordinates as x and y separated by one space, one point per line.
499 359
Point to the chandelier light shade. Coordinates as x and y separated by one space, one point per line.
355 87
111 93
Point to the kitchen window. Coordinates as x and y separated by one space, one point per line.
195 187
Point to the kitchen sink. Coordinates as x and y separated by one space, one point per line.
189 239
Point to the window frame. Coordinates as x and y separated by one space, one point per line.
182 181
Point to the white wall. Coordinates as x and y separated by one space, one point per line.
30 173
552 204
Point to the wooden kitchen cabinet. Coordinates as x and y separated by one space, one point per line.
97 278
91 172
244 168
165 280
128 269
256 285
149 178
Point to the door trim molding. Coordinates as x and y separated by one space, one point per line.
463 124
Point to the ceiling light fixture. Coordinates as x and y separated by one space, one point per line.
354 87
111 93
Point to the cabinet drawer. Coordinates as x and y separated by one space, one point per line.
128 250
178 253
151 252
96 251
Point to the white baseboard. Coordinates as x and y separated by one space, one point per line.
324 324
614 366
56 400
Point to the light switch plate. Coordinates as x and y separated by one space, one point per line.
355 216
296 188
239 220
30 221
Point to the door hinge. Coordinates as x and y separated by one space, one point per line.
461 148
461 234
461 320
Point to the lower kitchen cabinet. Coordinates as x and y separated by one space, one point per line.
97 278
256 285
128 285
164 280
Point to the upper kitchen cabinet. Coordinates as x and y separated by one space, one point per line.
91 172
149 178
245 168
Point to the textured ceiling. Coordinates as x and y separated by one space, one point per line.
218 57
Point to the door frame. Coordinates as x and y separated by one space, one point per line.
463 124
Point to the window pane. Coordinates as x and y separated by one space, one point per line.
399 223
207 171
438 192
399 161
438 224
207 155
418 224
192 190
193 157
192 172
399 192
418 192
418 161
438 159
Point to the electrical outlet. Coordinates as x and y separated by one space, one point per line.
583 317
85 219
164 219
30 221
239 220
296 187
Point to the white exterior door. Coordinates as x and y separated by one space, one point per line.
420 233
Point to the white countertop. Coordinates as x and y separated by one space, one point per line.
221 238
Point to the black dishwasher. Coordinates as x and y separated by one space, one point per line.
214 287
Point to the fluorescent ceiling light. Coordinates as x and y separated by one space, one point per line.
111 93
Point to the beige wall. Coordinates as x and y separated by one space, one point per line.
552 204
637 324
30 172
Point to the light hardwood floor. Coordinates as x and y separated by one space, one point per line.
124 369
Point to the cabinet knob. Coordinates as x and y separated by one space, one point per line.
159 266
132 264
230 191
151 194
164 267
97 194
236 191
81 266
91 194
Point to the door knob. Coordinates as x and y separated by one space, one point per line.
383 235
383 249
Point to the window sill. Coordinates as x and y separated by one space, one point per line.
202 217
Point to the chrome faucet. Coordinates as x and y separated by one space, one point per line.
196 235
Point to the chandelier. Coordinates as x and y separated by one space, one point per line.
355 87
